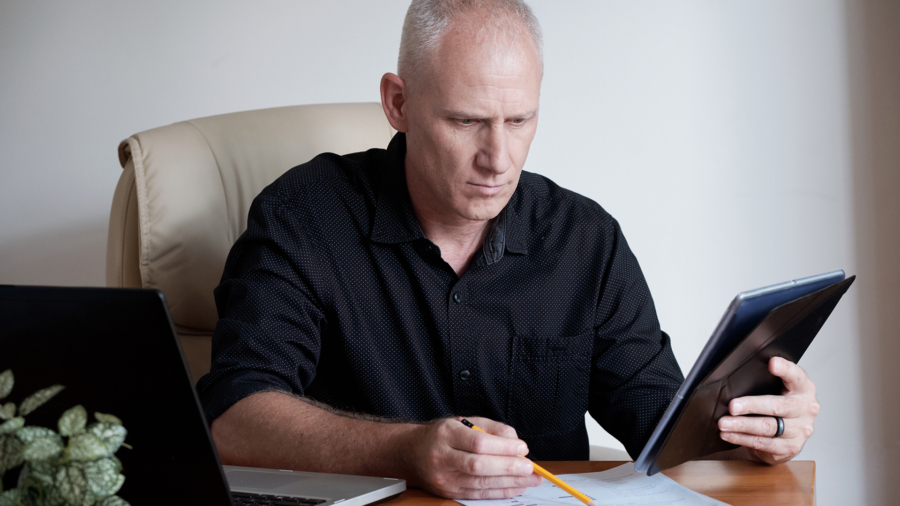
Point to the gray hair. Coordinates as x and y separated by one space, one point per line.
427 21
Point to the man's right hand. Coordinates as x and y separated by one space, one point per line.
456 462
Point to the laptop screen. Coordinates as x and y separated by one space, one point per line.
115 352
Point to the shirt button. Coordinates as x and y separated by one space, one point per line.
464 374
457 298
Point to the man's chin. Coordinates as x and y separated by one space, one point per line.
482 213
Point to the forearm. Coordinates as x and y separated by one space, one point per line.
276 430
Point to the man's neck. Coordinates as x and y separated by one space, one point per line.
458 240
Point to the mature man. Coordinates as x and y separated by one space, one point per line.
376 296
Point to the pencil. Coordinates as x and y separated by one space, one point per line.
545 473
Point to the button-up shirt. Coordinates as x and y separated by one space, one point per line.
334 293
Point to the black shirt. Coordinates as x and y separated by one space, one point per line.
333 292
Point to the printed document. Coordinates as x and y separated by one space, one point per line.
620 486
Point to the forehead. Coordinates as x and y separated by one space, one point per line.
475 67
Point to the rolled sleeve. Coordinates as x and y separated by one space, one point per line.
268 336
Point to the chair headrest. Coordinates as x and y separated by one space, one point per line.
195 181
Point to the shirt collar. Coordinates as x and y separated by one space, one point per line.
396 223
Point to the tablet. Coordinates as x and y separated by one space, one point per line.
773 316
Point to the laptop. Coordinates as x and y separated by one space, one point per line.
116 351
779 320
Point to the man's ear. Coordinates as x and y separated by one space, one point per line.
393 101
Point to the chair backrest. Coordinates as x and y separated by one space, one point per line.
183 197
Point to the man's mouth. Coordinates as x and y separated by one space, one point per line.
487 190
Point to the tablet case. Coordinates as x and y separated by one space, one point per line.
786 332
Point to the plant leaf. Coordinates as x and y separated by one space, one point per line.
113 500
103 477
72 422
87 446
112 435
7 411
6 383
11 426
10 452
30 433
71 484
43 448
103 417
41 471
10 497
38 398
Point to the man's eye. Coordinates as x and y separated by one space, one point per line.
467 121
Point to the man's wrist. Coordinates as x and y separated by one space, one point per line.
399 450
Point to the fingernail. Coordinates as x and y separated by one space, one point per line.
725 435
737 407
526 468
523 450
725 424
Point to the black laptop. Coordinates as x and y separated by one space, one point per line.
115 351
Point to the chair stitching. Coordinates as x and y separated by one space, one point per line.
137 157
132 194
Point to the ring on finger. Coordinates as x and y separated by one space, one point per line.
780 430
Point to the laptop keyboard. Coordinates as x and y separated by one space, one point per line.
273 500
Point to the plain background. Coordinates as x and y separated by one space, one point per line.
739 144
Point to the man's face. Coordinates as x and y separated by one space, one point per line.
471 121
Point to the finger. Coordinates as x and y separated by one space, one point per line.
771 405
793 376
490 493
473 441
765 426
764 444
483 482
489 465
494 427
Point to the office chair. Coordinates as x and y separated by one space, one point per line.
185 191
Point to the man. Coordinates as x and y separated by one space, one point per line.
376 296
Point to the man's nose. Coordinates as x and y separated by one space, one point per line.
494 152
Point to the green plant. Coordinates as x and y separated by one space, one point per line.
80 470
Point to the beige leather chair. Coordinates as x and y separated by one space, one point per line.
185 190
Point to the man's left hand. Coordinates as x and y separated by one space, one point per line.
797 406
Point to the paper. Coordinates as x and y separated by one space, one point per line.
620 486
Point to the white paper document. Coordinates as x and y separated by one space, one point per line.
620 486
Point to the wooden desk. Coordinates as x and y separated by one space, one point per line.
733 482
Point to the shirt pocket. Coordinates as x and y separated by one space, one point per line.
549 381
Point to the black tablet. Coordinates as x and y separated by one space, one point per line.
778 320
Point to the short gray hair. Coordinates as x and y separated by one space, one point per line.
427 21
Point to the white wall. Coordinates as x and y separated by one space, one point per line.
724 136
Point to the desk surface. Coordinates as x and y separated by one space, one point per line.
733 482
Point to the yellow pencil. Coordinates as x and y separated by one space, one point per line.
546 474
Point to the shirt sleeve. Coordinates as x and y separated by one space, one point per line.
268 336
634 373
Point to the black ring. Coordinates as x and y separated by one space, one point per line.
780 431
